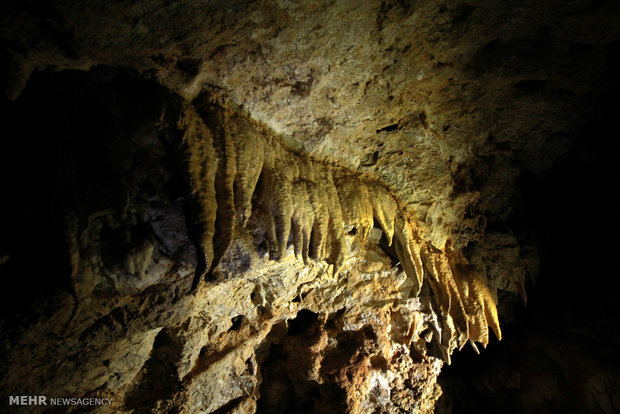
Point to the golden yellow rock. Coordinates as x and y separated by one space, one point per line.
202 165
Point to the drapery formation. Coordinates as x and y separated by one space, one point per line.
243 176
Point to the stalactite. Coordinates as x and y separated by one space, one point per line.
284 175
477 323
266 199
384 209
320 226
336 257
302 220
202 164
238 170
456 310
249 149
477 299
408 250
224 192
355 202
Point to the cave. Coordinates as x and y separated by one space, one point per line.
301 206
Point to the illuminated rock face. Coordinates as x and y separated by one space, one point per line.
245 274
247 180
273 207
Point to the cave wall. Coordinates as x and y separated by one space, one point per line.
301 206
120 306
178 250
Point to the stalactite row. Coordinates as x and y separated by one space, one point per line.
239 173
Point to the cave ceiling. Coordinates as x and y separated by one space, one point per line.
238 182
443 103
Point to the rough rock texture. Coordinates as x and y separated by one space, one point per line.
155 201
275 206
357 83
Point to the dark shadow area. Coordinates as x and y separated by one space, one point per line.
158 379
561 353
65 159
285 387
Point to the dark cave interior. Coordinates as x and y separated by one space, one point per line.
559 353
566 331
57 167
569 325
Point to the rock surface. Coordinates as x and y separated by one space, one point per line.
275 206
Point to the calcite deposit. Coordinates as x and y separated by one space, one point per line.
274 206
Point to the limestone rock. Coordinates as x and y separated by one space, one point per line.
274 206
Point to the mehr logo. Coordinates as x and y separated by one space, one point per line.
43 400
27 400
